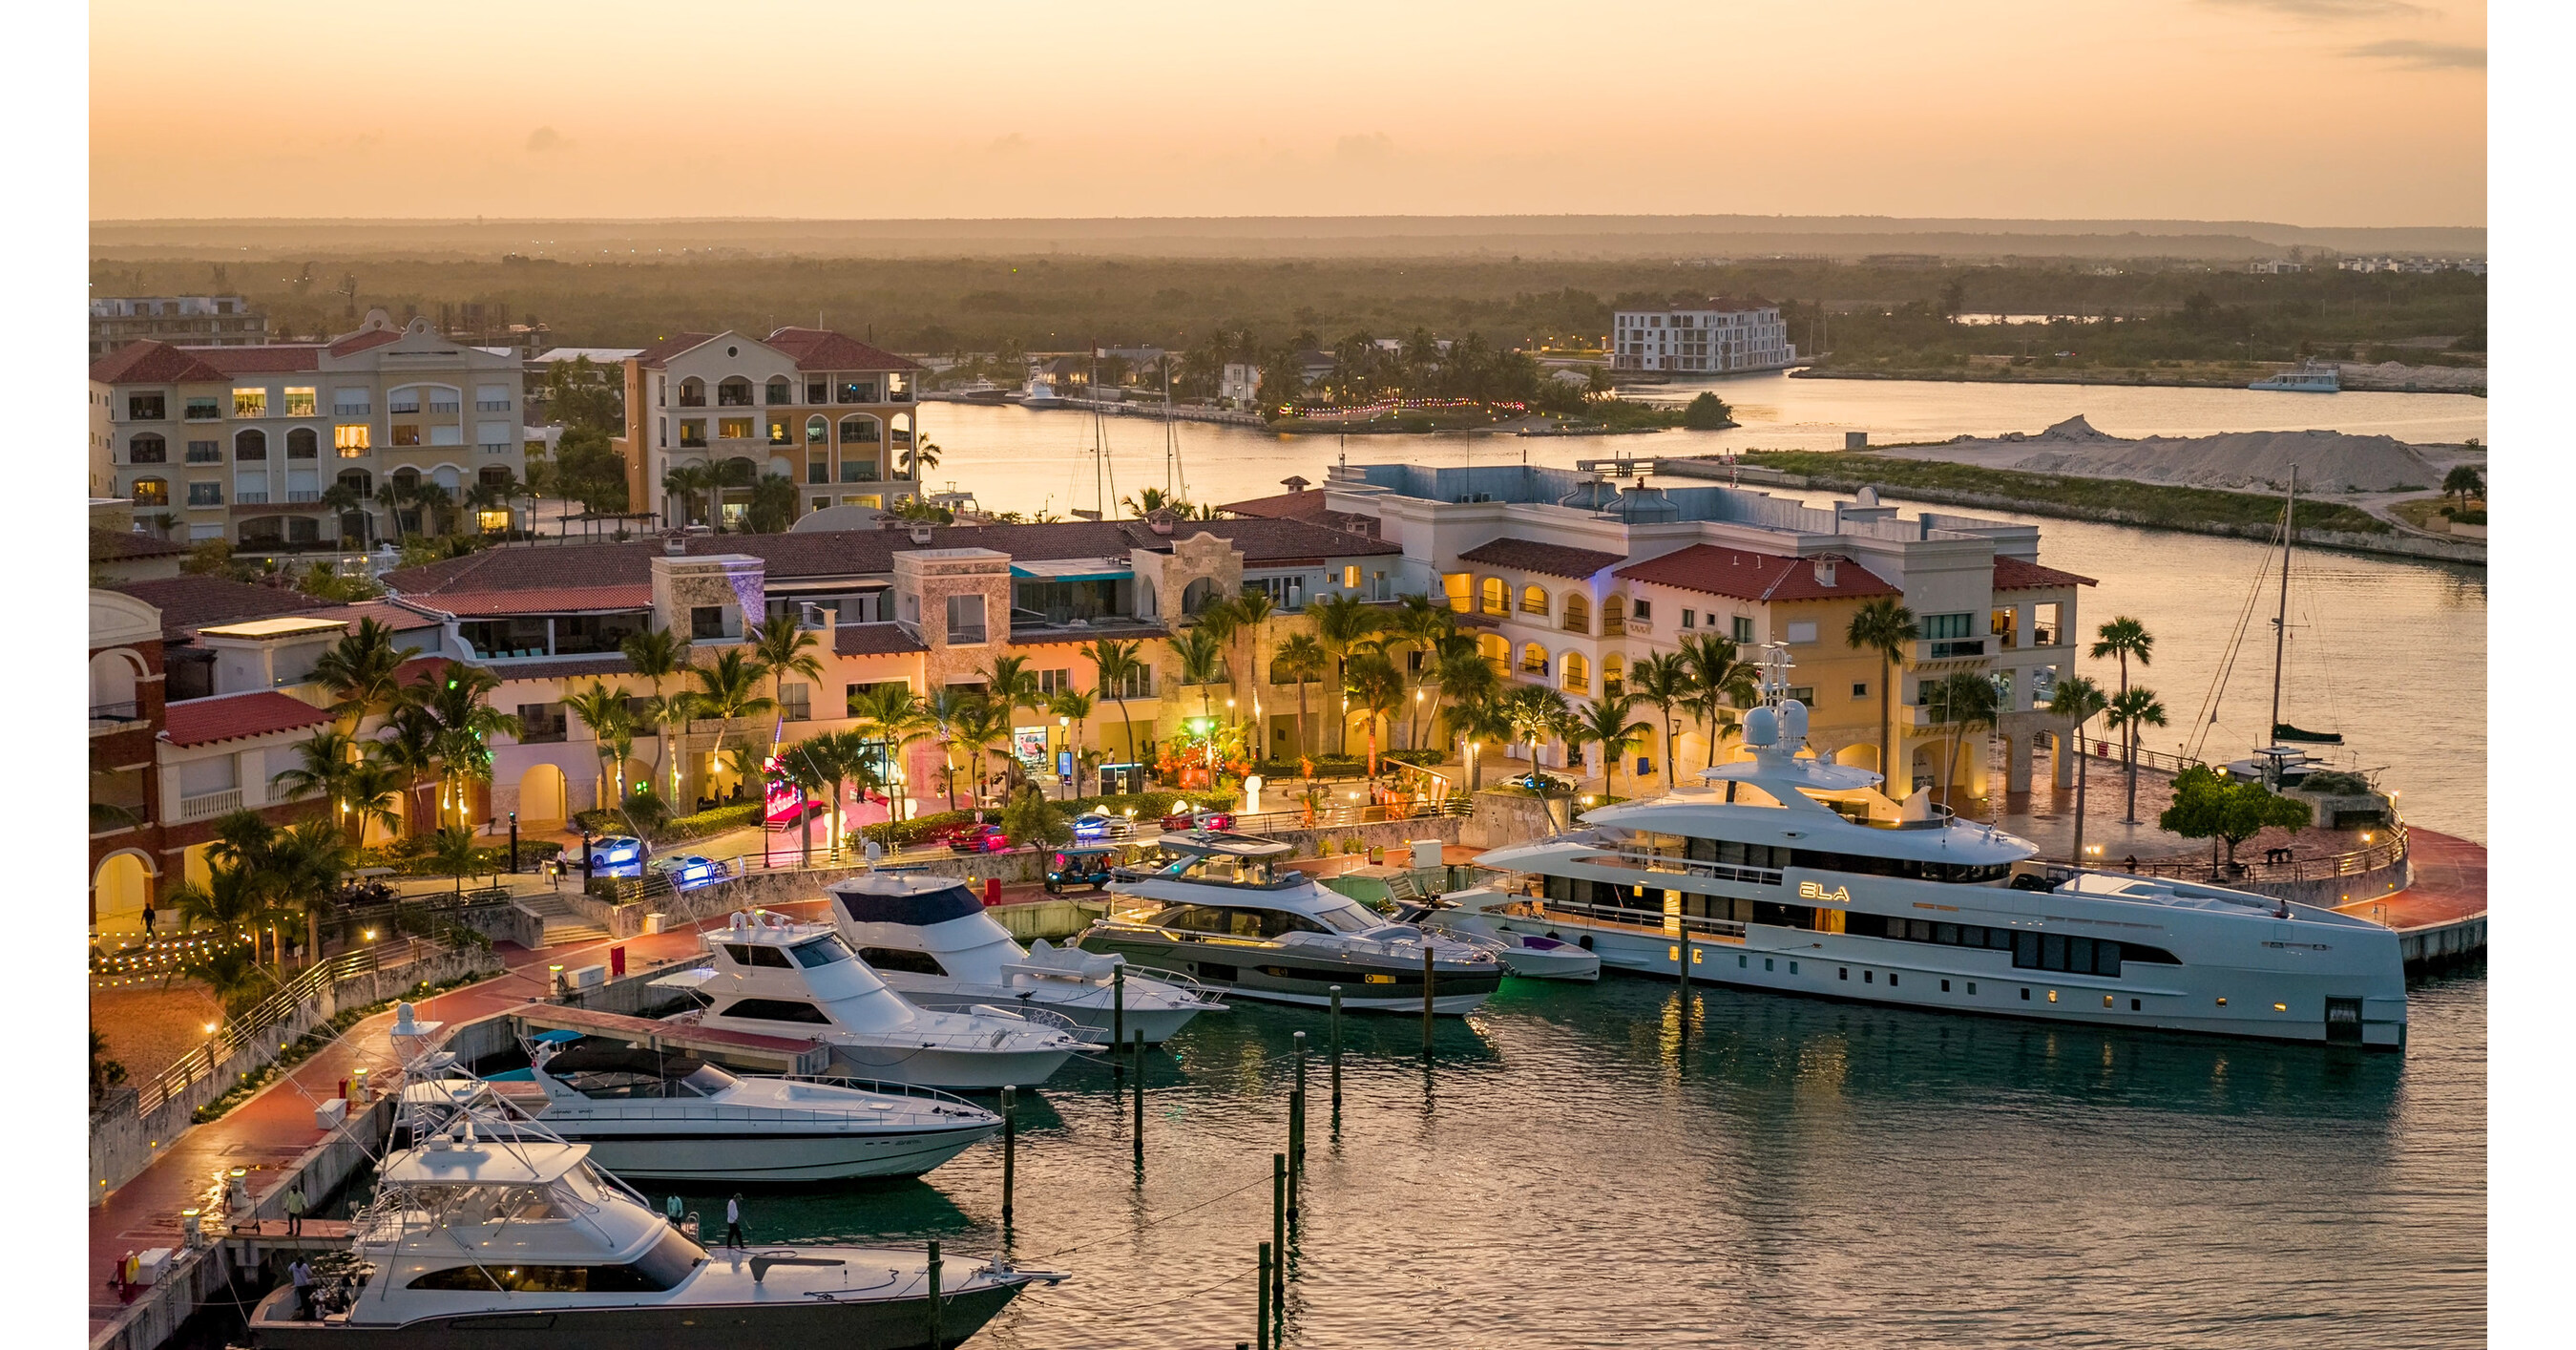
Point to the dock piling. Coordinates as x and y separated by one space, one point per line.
1010 1147
1140 1104
1279 1230
1261 1323
1426 996
936 1339
1337 1052
1118 1020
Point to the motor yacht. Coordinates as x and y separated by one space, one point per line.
1405 894
657 1115
773 977
930 940
1224 911
474 1240
1792 874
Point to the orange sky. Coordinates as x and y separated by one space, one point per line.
2316 112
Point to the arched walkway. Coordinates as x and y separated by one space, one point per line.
119 892
1861 756
542 796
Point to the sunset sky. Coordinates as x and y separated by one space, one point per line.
2314 112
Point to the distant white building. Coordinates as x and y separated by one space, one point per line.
2269 266
1715 336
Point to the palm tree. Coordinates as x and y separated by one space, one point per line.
1146 501
612 725
395 497
436 505
1342 622
409 746
1222 618
1253 611
1011 687
1460 672
1115 665
1722 679
657 654
982 725
464 722
324 760
923 456
369 794
1663 681
1077 705
360 671
341 499
2124 637
1201 656
1605 722
2077 699
783 648
1299 661
1378 688
945 710
727 476
727 692
685 483
1475 723
1420 623
805 773
2129 712
1963 701
1885 626
898 719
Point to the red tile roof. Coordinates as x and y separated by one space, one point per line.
270 360
671 346
385 612
152 362
1712 569
119 545
541 600
1555 560
874 639
188 603
204 721
2012 574
1307 506
358 342
823 349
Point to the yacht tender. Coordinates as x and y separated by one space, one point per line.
930 940
1796 875
1224 911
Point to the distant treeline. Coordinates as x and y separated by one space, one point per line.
1861 313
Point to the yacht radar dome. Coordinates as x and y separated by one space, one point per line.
1762 728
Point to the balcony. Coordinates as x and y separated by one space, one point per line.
114 716
210 805
693 400
304 495
250 499
445 405
693 442
730 398
1949 649
491 405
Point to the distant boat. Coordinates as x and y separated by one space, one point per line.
979 391
2312 377
1042 394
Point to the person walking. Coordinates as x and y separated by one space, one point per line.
671 1207
733 1220
295 1209
149 920
302 1274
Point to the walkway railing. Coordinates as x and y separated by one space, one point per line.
261 1021
2381 854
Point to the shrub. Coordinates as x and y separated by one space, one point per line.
704 823
2332 784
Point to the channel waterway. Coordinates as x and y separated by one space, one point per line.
1576 1170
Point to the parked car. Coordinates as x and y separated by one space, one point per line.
985 838
1097 824
688 871
1182 818
618 855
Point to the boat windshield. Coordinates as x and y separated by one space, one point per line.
1348 918
822 951
1223 870
708 1081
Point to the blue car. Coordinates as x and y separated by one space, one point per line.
617 855
688 871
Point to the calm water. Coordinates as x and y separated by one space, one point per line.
2392 653
1798 1173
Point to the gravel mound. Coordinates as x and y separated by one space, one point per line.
2327 461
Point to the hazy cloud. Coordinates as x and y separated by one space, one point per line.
2331 10
2411 55
1373 148
544 139
1013 144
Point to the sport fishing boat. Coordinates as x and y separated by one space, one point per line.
1224 911
930 940
472 1241
773 977
661 1115
1795 875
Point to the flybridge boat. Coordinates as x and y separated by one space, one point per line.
2311 377
930 940
1225 911
662 1115
1796 875
475 1240
773 977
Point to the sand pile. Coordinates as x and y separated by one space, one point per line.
2327 461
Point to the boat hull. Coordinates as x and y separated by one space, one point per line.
786 1321
1158 1024
644 1153
1288 976
949 1069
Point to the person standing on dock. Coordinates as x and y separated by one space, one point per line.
733 1220
302 1276
671 1207
295 1209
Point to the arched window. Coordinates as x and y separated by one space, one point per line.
1534 600
249 446
1495 648
358 481
1578 612
1534 660
493 476
1497 596
147 449
817 430
780 391
1577 674
1614 616
693 392
899 433
1196 595
734 392
407 478
151 492
1613 675
301 443
858 431
445 476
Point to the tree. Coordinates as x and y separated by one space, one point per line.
980 726
784 649
1462 673
685 482
409 746
1342 622
1115 665
913 461
1476 722
2129 713
463 723
1885 626
612 727
1252 614
657 654
2124 637
898 720
1708 412
2206 806
946 709
1299 661
324 763
369 793
589 470
1013 688
1663 681
2077 699
1605 722
360 672
2464 482
585 397
1146 501
1201 657
728 691
344 500
1032 820
773 505
1418 622
1077 705
1720 676
1964 701
396 497
1376 687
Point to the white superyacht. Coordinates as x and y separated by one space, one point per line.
1795 875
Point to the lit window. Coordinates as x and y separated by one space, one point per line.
250 403
406 433
351 439
1351 577
2106 1000
300 402
2052 996
734 428
2280 1007
2222 1002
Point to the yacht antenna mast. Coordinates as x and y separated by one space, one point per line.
2281 624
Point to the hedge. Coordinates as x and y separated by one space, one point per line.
613 820
1341 766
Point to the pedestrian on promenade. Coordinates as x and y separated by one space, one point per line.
295 1209
733 1220
148 921
302 1275
671 1207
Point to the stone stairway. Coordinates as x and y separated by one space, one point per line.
563 925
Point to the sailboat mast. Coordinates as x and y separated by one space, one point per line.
2281 624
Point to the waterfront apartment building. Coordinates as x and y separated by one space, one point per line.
1718 336
1569 581
181 320
829 412
245 443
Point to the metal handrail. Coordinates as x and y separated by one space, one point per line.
2353 863
1640 918
253 1026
